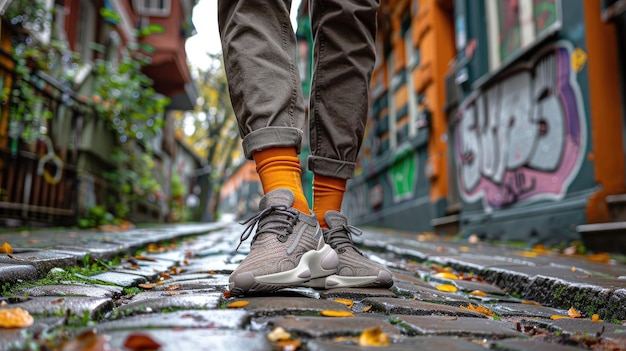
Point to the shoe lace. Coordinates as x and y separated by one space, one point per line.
340 238
283 218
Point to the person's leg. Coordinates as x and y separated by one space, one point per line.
259 57
259 49
344 55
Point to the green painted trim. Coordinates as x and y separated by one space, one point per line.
383 162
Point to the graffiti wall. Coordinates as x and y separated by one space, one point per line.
523 138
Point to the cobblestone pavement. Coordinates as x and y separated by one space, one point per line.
165 288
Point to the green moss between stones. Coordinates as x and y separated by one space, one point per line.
559 291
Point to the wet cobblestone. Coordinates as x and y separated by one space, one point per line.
168 285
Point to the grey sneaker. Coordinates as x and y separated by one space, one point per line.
287 250
354 270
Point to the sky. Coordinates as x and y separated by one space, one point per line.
207 39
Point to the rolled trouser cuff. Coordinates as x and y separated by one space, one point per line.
269 137
330 167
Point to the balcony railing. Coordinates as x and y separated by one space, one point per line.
39 182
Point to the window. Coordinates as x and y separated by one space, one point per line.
391 99
516 24
155 8
412 60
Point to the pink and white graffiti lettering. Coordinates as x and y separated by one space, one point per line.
523 137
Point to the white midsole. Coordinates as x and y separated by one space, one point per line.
310 261
338 281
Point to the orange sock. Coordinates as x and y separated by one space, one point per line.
280 168
327 195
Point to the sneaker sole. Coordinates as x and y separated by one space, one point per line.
383 280
313 265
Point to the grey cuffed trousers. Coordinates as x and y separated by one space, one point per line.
259 48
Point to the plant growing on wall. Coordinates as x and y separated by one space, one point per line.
122 96
30 110
133 110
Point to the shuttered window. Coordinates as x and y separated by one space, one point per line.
153 8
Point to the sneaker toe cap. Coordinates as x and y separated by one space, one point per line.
241 283
385 277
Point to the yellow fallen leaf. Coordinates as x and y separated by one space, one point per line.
555 317
367 308
527 254
346 302
464 249
6 248
573 313
277 334
539 248
446 288
238 304
599 257
336 313
154 248
15 318
478 293
145 258
526 302
478 309
596 318
446 275
373 337
146 285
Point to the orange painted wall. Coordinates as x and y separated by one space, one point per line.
433 31
606 114
433 34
